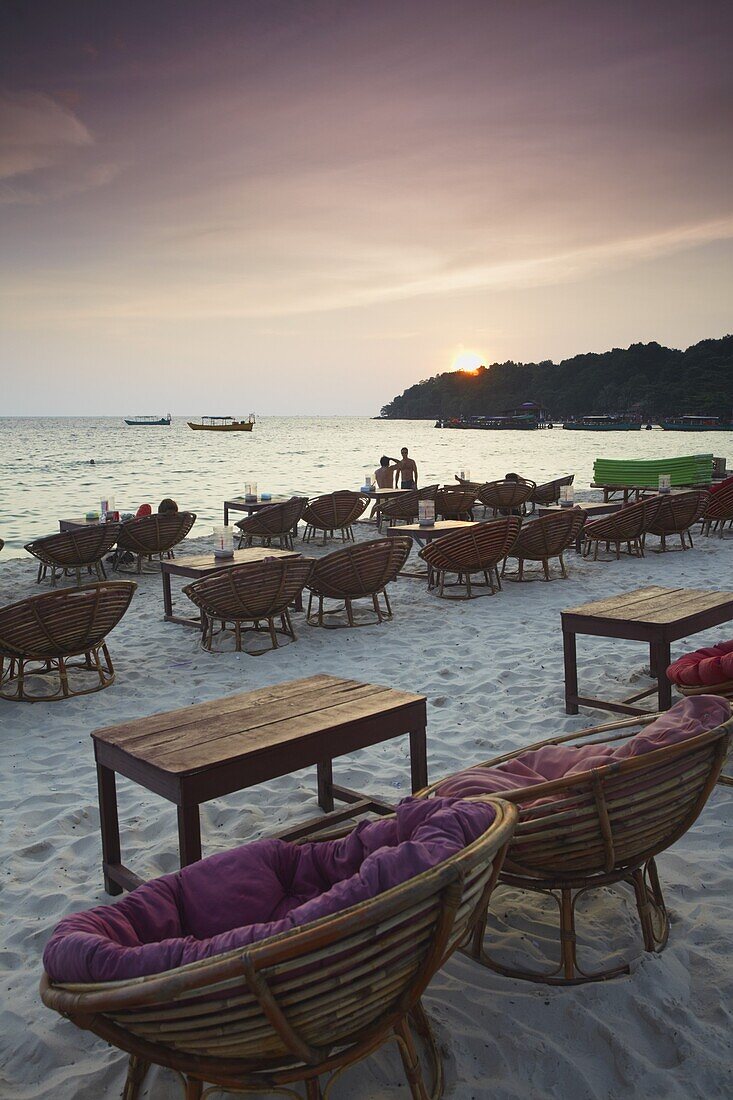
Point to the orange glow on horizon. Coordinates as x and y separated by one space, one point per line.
468 362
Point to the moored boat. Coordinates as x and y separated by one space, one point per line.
149 421
603 424
223 424
697 424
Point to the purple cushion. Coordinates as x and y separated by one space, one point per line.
687 718
251 893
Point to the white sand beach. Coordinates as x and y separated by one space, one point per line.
492 671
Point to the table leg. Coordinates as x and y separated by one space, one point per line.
167 595
109 823
659 662
226 514
418 760
571 671
189 834
325 785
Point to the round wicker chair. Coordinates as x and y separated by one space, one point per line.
278 521
249 595
475 550
40 636
334 512
718 511
549 491
361 571
74 551
306 1003
455 503
150 537
676 514
545 538
405 506
507 497
596 828
627 527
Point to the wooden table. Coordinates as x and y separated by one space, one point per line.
385 494
590 509
423 535
213 749
79 523
242 504
196 566
655 615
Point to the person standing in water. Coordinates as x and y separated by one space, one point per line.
406 470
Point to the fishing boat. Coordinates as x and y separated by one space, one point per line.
223 424
603 424
149 421
522 422
697 424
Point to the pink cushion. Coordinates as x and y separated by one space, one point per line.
704 667
685 719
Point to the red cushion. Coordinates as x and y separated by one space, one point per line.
721 485
143 510
704 667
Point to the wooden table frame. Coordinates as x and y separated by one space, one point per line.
657 616
213 749
195 566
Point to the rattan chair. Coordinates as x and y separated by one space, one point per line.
676 514
404 506
74 551
546 538
475 550
334 512
248 596
308 1003
455 503
506 497
626 527
151 537
549 491
278 521
361 571
718 511
600 827
40 636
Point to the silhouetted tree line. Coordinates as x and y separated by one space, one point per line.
645 378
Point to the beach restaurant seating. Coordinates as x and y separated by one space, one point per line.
149 537
676 515
248 595
278 521
507 497
41 636
597 808
334 512
72 552
455 503
280 963
361 571
546 538
627 527
473 551
549 491
718 508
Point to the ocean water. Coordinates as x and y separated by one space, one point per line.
45 471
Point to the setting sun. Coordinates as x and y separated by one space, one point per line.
468 362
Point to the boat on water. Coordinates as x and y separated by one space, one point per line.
697 424
603 424
523 422
149 421
223 424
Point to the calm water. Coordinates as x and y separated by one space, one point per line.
45 472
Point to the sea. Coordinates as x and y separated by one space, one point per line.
59 468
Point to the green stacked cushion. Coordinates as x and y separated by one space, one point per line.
687 470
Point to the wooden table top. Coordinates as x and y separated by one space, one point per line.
440 527
208 563
393 492
259 502
241 726
654 605
592 508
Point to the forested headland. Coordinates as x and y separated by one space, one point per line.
645 378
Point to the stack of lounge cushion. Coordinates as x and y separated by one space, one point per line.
704 668
687 470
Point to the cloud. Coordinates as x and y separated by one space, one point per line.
45 150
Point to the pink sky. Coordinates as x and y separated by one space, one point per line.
310 206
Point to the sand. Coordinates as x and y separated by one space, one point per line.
492 672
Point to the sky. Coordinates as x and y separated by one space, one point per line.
305 207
